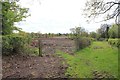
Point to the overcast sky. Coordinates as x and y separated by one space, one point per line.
55 16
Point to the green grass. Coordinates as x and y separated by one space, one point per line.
85 61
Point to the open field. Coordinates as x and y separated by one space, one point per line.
50 45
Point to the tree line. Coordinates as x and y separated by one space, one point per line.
105 31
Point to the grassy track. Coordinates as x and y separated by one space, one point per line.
100 56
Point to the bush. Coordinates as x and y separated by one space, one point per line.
82 43
92 39
33 51
101 39
14 44
114 42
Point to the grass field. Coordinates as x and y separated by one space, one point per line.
100 57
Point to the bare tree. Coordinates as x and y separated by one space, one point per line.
110 9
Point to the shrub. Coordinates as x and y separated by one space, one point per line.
101 39
82 42
32 51
114 42
13 44
92 39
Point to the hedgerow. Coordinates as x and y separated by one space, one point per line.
82 42
15 44
114 42
12 44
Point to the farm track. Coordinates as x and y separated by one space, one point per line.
22 66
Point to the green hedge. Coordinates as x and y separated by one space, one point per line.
82 42
14 44
114 42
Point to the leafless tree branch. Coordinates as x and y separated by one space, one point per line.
107 9
94 9
116 20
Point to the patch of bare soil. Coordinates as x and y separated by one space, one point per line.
19 66
50 45
102 75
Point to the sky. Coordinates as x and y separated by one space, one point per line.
55 16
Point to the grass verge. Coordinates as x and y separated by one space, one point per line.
100 56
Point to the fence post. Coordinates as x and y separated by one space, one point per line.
39 44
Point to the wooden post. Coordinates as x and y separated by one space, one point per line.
40 44
46 35
52 34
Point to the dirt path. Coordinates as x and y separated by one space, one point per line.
19 66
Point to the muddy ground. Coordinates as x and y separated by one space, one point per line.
50 65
